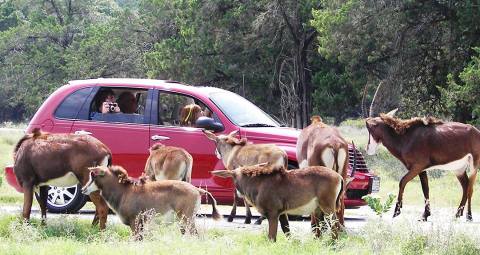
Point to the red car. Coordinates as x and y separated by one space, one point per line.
75 108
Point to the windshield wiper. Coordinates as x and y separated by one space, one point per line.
257 125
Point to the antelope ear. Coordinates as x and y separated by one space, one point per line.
223 173
392 112
210 135
233 133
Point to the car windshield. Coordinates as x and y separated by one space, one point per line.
241 111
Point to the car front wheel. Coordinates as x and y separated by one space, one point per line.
65 199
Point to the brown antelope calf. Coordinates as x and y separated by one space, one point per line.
236 152
312 190
42 159
322 145
422 144
169 163
130 199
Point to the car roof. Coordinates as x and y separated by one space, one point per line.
161 84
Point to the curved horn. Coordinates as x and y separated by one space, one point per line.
392 112
354 169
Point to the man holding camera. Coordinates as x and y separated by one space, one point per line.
109 105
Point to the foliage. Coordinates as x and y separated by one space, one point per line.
374 202
460 96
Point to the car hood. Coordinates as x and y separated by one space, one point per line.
271 134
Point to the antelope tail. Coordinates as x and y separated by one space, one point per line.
338 204
215 214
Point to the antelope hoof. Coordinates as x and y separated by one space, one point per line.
459 213
259 221
248 220
397 210
230 218
469 217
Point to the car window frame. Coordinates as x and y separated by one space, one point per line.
85 110
80 110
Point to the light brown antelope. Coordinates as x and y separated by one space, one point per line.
322 145
312 190
169 163
130 199
236 152
42 159
422 144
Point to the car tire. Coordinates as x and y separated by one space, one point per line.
65 199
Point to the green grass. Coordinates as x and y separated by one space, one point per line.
70 236
8 139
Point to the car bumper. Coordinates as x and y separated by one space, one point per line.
12 179
361 186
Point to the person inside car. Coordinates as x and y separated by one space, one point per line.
106 102
127 102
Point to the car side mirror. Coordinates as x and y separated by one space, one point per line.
209 124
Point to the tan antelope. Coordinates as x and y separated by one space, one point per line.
275 193
236 152
322 145
169 163
422 144
131 199
42 159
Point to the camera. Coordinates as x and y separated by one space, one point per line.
112 106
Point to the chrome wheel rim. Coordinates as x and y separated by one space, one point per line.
61 196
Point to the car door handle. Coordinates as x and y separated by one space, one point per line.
82 132
159 137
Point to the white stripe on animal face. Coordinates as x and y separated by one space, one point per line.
90 186
372 145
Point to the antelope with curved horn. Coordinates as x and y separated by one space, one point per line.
422 144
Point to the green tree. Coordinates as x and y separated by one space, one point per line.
461 97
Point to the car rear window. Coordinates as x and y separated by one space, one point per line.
72 104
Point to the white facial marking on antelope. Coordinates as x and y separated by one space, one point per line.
372 145
90 186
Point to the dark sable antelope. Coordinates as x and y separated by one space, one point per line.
42 159
312 190
131 199
322 145
169 163
236 152
422 144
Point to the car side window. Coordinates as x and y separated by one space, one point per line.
72 104
180 110
123 105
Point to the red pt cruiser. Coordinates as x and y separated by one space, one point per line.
76 108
